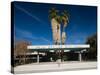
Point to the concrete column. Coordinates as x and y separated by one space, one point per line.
80 56
38 58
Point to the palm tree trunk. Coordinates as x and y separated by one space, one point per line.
56 34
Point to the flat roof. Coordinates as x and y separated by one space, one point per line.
56 47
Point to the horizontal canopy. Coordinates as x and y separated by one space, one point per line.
57 47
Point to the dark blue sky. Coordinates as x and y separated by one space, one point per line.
32 23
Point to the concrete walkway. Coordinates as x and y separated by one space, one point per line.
54 66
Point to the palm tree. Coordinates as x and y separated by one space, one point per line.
63 38
65 21
56 29
53 13
55 22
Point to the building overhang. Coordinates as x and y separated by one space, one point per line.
58 47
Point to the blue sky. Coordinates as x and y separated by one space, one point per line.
32 23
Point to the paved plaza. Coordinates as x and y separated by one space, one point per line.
54 66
